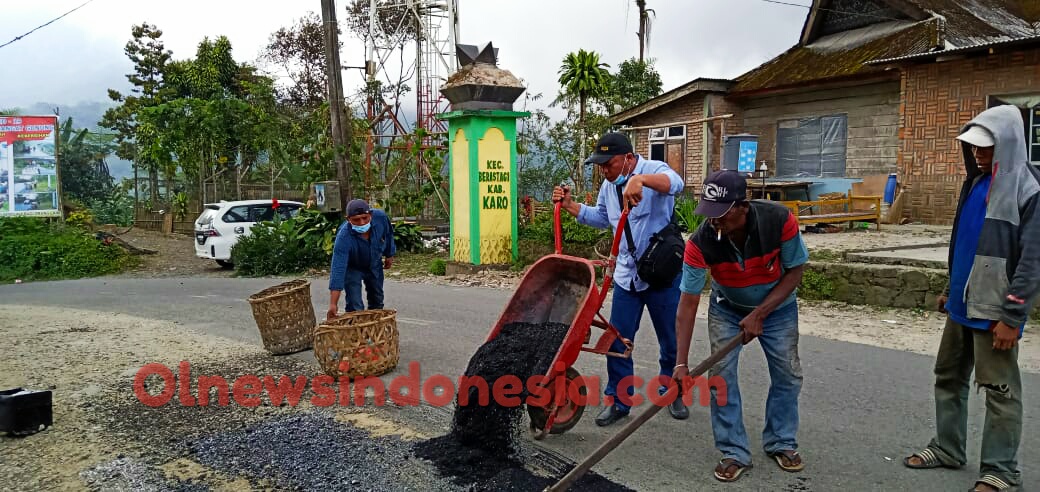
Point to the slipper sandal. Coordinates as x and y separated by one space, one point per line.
790 455
992 481
928 460
726 464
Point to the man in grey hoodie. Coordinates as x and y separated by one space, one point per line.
994 267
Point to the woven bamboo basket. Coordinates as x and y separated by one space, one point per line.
358 344
285 316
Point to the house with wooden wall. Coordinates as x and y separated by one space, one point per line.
873 87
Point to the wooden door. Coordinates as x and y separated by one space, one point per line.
675 157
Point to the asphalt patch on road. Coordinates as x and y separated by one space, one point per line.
315 452
482 450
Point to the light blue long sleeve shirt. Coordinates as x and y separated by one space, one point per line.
650 216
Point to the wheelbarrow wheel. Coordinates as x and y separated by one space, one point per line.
569 411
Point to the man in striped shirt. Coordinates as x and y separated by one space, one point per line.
756 256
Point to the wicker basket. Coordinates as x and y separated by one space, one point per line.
366 341
285 316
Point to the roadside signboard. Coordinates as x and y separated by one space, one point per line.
29 166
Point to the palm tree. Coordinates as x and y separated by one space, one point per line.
582 76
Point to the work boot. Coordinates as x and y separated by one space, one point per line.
610 415
678 409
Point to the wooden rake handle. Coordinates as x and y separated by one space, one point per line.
608 446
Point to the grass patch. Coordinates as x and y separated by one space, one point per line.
815 286
415 264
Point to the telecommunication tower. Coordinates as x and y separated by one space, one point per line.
434 25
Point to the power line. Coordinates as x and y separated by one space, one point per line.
861 14
45 25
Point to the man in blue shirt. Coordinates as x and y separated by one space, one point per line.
364 247
994 259
650 188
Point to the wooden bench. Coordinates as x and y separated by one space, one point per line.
853 209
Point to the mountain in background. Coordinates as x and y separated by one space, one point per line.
84 115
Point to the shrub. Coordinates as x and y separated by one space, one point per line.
541 230
30 249
684 211
81 219
276 248
408 237
438 267
117 208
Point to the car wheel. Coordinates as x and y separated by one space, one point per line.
225 264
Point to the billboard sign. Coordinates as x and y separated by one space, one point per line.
29 166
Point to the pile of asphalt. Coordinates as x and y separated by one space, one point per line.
482 449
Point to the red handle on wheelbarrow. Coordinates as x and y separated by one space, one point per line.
556 228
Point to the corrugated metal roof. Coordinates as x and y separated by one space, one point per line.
973 22
954 51
696 85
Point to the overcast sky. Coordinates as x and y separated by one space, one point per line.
76 59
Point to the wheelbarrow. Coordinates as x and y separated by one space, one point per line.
560 288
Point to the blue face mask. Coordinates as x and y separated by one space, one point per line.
622 178
361 229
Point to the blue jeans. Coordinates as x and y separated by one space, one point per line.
779 341
625 314
373 280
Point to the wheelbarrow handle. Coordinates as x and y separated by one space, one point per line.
605 448
557 230
557 233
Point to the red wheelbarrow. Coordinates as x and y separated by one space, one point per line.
560 288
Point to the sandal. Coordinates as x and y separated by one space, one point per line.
996 482
928 460
725 465
794 460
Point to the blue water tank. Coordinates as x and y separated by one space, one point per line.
890 189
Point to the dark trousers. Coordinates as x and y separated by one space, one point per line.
373 280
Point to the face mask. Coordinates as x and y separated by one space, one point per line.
361 229
621 179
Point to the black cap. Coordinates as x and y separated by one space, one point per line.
357 206
608 146
721 190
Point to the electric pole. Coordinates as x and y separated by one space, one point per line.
341 124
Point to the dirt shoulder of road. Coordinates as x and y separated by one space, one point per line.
105 438
174 256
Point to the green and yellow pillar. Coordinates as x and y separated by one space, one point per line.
484 202
482 154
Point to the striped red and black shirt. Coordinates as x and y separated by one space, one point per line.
774 245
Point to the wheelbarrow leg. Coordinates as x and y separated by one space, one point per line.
605 448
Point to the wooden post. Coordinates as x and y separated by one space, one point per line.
340 128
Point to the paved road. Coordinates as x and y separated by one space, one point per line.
862 408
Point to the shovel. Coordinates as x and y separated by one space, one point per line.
605 448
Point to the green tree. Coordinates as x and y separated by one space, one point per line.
137 136
582 77
84 172
634 83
